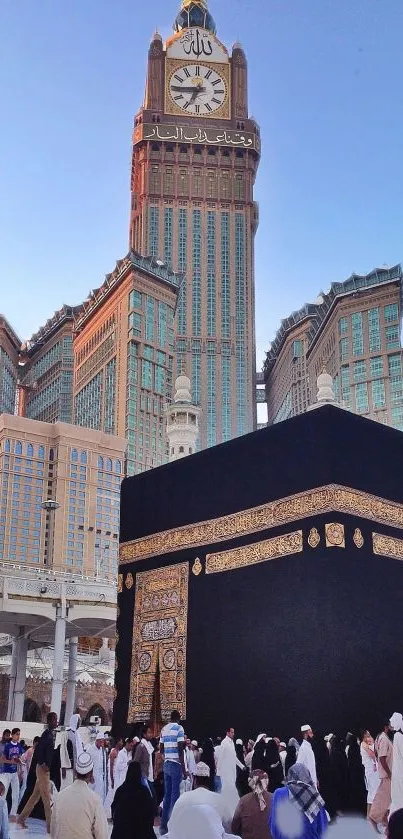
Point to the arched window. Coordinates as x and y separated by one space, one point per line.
7 446
30 450
190 450
18 447
74 455
84 457
118 467
100 462
109 465
181 450
41 453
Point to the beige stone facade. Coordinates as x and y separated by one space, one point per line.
354 332
78 468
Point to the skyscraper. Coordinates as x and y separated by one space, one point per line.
354 332
9 350
195 157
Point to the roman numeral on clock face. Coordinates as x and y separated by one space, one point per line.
186 72
208 74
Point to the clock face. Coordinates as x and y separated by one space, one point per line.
197 90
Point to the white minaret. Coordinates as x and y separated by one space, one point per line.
182 421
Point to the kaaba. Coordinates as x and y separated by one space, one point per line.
258 583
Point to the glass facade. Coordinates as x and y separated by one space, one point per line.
196 371
361 398
344 349
182 263
52 398
211 395
110 397
357 335
8 383
240 351
168 232
88 404
374 330
225 276
226 391
378 394
211 274
153 225
345 384
196 273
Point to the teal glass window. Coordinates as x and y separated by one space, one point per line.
377 365
211 277
159 380
361 398
297 349
374 330
357 337
162 324
378 393
147 374
397 418
240 349
360 370
392 337
153 224
182 263
168 228
148 352
345 384
211 395
196 272
149 326
343 326
225 276
343 349
135 299
88 403
196 371
110 396
135 324
391 313
226 392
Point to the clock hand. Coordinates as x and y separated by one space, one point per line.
178 89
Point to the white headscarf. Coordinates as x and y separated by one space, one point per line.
74 736
396 721
198 822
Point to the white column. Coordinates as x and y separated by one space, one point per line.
58 659
16 694
72 680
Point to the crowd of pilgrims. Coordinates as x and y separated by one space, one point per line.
222 789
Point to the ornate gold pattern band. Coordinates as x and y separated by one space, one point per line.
290 543
387 546
159 642
313 502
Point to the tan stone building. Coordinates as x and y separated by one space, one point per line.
195 157
123 358
79 469
353 331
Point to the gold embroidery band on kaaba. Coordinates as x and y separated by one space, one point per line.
159 642
313 502
387 546
290 543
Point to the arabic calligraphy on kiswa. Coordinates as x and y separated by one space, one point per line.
210 136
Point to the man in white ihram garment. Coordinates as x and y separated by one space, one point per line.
201 794
396 722
227 763
99 757
305 754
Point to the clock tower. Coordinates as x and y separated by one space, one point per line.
195 158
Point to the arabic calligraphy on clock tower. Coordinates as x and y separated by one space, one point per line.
195 157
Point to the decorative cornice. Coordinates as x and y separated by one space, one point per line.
313 502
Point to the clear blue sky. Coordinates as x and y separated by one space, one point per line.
325 85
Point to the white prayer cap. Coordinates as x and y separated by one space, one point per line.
328 737
284 745
202 770
239 742
99 736
194 743
136 739
84 764
306 728
396 721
